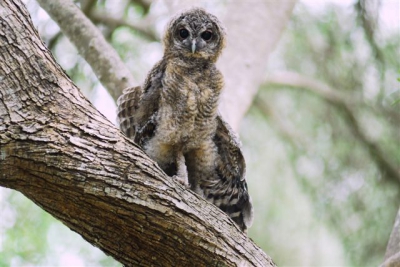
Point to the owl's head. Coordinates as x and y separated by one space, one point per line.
195 34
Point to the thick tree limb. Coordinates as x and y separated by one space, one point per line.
59 151
344 105
91 44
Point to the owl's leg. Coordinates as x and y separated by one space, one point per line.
162 154
201 167
170 161
182 174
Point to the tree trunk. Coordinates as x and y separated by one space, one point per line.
60 152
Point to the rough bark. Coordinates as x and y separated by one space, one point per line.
59 151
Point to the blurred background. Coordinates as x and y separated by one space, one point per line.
321 138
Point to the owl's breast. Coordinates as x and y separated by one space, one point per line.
187 113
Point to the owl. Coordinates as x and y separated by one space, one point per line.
173 116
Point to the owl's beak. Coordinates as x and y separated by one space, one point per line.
193 46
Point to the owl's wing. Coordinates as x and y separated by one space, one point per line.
138 106
127 105
231 168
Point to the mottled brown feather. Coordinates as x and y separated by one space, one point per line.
174 117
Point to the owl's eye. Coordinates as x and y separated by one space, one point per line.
183 33
206 36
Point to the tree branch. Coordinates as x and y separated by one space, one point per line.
87 6
368 24
342 104
143 30
292 79
91 44
59 151
392 255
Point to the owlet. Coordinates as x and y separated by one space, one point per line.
173 116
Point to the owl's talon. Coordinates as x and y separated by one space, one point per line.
182 181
